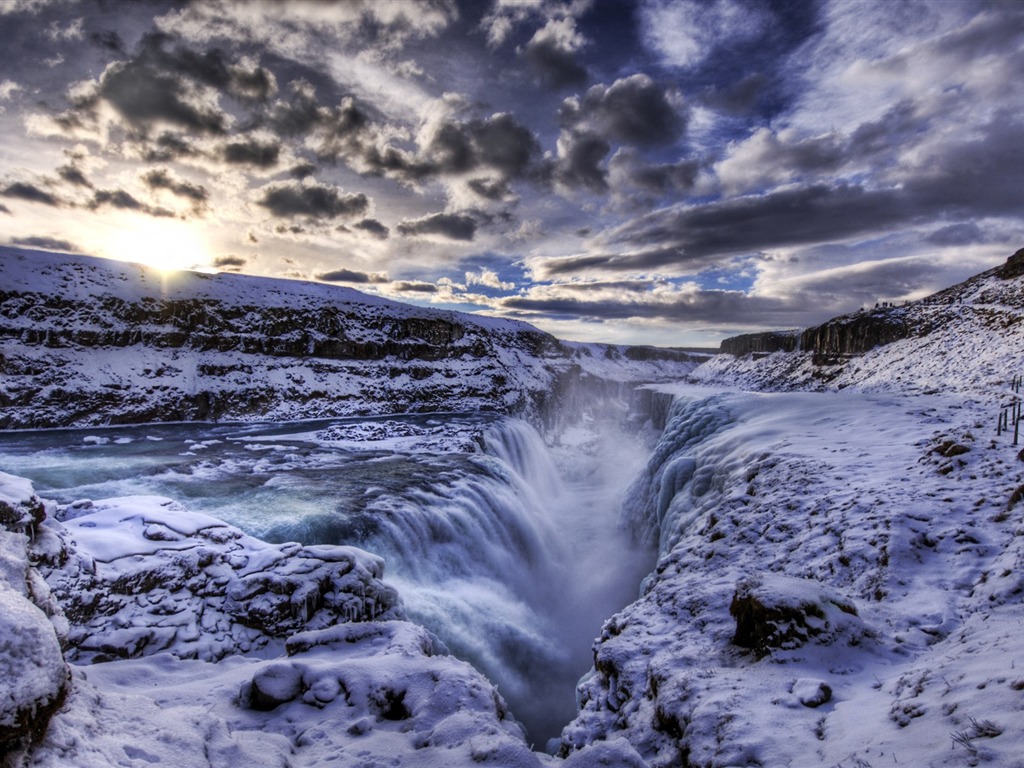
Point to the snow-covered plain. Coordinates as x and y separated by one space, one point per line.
840 582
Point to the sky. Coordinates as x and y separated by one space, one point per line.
667 172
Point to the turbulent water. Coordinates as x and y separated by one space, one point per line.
508 550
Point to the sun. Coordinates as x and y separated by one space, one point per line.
166 244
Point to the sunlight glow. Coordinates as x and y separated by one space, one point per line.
166 244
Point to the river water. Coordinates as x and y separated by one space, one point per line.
507 549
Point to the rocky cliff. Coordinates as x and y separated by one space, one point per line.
761 343
967 336
88 341
859 332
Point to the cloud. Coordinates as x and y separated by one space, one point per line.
147 96
489 279
8 88
687 32
633 110
635 179
47 244
965 233
373 228
414 286
230 262
580 154
73 175
25 191
125 201
311 200
161 178
652 300
498 143
261 153
447 225
551 53
352 276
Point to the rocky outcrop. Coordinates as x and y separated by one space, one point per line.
856 334
761 343
781 612
991 298
1014 266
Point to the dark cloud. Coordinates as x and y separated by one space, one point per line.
629 171
490 189
4 209
633 110
591 302
146 95
161 178
449 225
689 235
122 200
551 54
24 191
498 142
580 154
314 201
373 227
250 151
966 233
414 287
73 175
47 244
352 276
302 171
108 40
981 176
168 147
300 114
230 262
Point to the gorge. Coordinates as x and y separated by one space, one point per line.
810 563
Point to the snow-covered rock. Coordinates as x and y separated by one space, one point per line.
142 575
33 674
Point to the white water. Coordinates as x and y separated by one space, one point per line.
513 565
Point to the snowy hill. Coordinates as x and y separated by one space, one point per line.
88 341
967 338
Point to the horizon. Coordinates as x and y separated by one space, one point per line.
652 173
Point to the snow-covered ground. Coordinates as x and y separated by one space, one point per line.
885 532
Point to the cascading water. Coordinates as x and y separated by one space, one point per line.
512 566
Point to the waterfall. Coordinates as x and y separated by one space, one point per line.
660 502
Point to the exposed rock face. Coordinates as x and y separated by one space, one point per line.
761 343
88 341
773 611
1014 266
857 333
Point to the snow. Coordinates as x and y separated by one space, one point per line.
844 499
91 341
